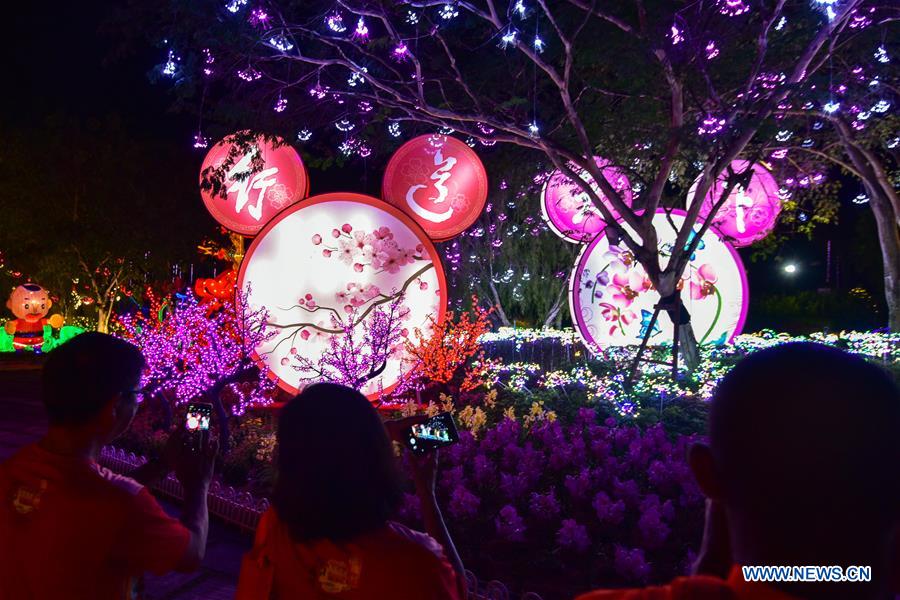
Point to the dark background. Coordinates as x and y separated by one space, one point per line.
62 59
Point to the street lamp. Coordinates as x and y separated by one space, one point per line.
790 269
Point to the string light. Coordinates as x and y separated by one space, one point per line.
733 8
208 60
448 12
881 55
335 22
533 129
280 104
860 199
831 107
519 8
676 35
711 50
233 6
394 129
508 38
361 33
412 17
170 68
344 125
538 44
781 23
304 135
400 52
279 42
200 141
249 74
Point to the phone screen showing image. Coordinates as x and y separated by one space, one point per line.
196 423
435 432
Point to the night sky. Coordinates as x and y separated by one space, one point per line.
63 63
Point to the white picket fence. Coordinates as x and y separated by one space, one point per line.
243 510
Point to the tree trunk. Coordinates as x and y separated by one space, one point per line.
555 309
670 297
103 314
498 307
889 238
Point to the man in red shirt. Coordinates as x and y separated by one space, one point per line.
72 529
800 470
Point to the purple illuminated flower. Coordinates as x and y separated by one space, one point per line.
510 526
463 503
631 564
573 536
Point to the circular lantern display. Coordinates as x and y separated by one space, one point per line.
612 301
331 266
438 181
568 209
749 214
252 197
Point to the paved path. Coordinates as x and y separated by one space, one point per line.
22 421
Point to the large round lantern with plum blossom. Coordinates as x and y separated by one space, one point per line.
749 214
569 211
331 271
258 179
439 181
612 300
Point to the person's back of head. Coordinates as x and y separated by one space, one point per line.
82 376
805 443
336 475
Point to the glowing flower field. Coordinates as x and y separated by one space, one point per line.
560 223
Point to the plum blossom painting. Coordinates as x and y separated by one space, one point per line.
612 299
336 265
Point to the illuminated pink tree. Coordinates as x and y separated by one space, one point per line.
352 359
194 355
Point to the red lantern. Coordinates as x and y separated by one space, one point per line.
439 182
252 197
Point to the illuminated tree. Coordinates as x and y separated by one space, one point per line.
442 356
352 359
665 90
192 355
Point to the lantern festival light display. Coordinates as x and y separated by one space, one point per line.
30 303
334 261
438 181
612 300
260 179
569 211
749 213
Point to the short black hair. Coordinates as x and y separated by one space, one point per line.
82 375
805 434
337 476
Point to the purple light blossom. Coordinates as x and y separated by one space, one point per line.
573 536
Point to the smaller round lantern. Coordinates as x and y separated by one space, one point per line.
252 193
749 214
568 209
438 181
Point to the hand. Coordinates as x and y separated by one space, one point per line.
424 471
194 469
398 427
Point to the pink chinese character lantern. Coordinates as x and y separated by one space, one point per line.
749 214
568 209
439 181
252 196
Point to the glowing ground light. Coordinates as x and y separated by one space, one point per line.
612 300
331 257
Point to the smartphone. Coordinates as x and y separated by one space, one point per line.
196 425
434 432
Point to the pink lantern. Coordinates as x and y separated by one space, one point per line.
438 181
568 209
253 196
749 214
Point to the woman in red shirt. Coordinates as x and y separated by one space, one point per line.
328 533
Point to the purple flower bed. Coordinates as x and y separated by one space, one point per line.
563 508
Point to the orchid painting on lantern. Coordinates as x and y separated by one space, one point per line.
348 279
612 299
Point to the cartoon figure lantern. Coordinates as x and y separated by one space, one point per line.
30 303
